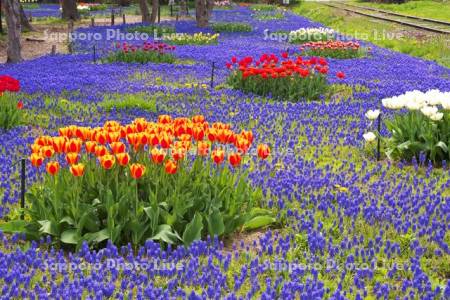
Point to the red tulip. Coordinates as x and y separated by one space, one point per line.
202 148
19 105
340 75
72 158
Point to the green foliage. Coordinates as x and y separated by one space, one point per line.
231 27
98 7
152 29
198 200
128 101
10 114
336 53
139 56
268 15
191 39
290 88
414 133
263 7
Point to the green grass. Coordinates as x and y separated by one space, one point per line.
231 27
128 101
388 35
439 10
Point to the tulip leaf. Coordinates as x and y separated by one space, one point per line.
70 236
215 223
193 230
67 220
166 234
98 236
258 222
48 227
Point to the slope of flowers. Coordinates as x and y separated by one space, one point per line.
352 227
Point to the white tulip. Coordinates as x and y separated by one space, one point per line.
413 105
372 114
429 110
437 116
369 137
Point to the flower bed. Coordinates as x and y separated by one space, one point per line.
10 107
148 52
332 49
173 181
284 78
423 130
304 35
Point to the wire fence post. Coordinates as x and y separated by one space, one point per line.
123 19
22 189
159 12
379 137
95 54
212 74
112 15
1 25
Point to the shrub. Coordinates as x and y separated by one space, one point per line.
148 52
333 49
10 107
283 79
151 30
231 27
304 35
423 130
191 39
145 180
98 7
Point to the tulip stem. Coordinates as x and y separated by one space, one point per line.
22 189
379 137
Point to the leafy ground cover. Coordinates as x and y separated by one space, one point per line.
348 227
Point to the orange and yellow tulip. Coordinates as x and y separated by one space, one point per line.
263 151
235 159
171 167
77 170
107 161
101 150
36 159
164 119
202 148
90 146
47 151
137 170
158 155
72 158
218 155
117 147
52 167
123 159
74 145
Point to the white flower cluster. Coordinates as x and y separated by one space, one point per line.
82 7
311 31
427 102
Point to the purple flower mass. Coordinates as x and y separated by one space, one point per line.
349 227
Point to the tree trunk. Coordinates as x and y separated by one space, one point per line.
144 11
69 10
11 9
24 20
201 13
155 6
209 7
183 8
